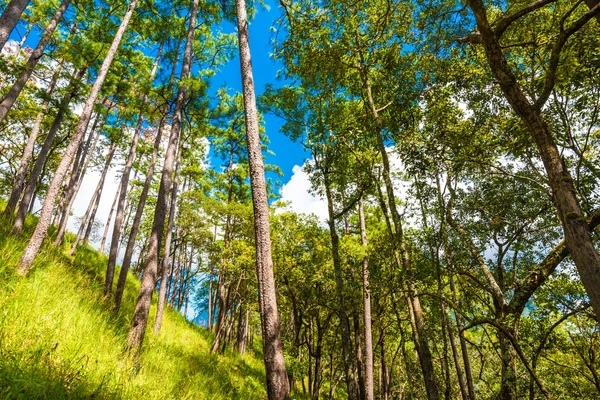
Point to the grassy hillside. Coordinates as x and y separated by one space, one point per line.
59 339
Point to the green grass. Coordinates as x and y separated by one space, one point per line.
59 338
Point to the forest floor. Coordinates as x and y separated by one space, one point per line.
60 339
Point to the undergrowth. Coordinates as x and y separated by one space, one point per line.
59 337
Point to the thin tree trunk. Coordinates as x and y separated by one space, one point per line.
44 220
162 293
118 226
17 188
277 382
108 220
10 98
142 307
23 39
129 208
209 317
69 181
242 336
92 219
222 308
74 190
119 216
175 277
70 184
369 389
40 162
223 287
137 219
461 337
10 18
339 285
94 201
359 379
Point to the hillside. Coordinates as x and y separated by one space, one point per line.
59 339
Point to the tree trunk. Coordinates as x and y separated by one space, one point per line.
119 216
162 293
508 387
129 209
94 201
460 328
68 182
108 220
242 337
137 219
277 382
44 220
209 308
339 285
576 230
591 4
19 181
118 225
224 288
23 39
359 379
40 162
92 219
10 18
10 98
369 389
72 192
142 307
223 307
175 277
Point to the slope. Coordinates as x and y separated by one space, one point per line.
60 339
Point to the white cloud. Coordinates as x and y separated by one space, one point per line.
297 193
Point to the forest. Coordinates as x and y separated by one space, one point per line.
441 241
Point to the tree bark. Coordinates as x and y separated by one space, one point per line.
209 308
162 292
369 389
41 229
69 181
142 307
10 18
10 98
108 220
277 382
